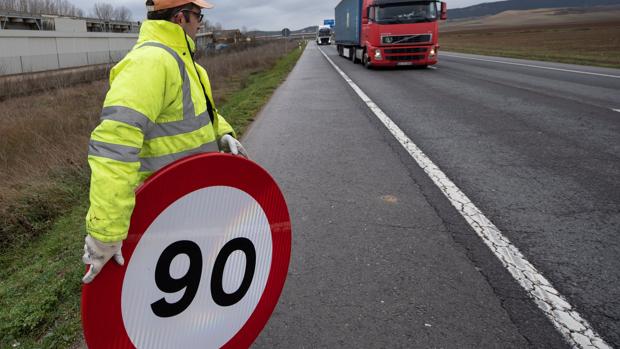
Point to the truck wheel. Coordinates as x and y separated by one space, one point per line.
366 60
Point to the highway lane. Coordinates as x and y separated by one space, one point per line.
536 149
379 258
594 86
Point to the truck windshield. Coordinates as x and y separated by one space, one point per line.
325 32
406 13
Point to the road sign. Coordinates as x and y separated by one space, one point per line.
286 32
329 22
206 259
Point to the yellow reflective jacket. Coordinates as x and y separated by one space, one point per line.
154 113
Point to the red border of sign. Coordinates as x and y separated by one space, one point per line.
101 300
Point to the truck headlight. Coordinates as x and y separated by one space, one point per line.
432 53
378 54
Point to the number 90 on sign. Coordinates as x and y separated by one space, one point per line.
191 280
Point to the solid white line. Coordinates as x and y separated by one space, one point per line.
532 66
575 329
617 110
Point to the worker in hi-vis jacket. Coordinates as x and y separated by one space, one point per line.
159 109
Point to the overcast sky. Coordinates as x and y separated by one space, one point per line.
259 14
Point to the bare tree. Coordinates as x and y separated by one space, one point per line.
100 10
52 7
122 14
103 11
107 12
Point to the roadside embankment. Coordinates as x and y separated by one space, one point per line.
590 37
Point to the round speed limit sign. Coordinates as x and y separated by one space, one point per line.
205 260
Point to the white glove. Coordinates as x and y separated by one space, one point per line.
230 145
97 254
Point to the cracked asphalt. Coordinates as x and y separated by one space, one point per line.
381 259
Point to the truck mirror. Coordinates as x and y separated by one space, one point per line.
444 11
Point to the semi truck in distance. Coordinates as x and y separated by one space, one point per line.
389 32
324 36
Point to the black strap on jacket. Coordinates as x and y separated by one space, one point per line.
204 90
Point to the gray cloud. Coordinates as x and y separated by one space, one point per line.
263 15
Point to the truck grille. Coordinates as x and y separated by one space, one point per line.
406 39
405 58
406 50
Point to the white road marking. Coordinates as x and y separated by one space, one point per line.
617 110
432 67
575 329
533 66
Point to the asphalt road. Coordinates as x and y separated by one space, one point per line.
382 260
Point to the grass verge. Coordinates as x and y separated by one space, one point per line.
40 280
40 291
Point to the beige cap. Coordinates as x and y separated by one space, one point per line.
164 4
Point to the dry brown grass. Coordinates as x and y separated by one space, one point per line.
41 136
27 84
592 39
47 133
230 69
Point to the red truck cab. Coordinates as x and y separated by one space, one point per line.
393 32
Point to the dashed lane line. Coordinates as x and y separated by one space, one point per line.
532 66
616 110
575 329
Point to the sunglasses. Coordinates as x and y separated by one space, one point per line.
200 15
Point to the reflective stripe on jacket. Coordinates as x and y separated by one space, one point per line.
154 114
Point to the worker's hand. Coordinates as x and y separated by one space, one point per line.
97 254
230 145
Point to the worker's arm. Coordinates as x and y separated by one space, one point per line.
135 99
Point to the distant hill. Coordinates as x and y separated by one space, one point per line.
307 30
492 8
